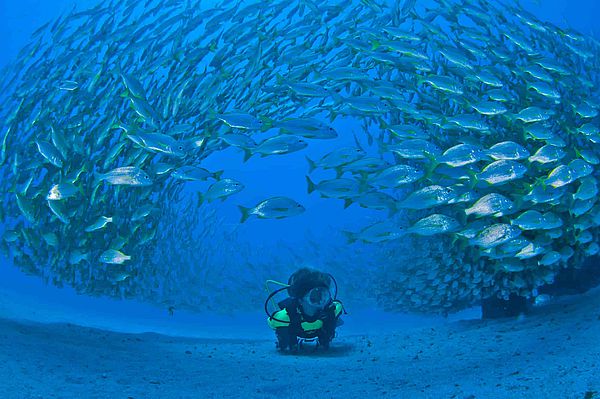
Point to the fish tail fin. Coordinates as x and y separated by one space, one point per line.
487 153
93 195
335 41
246 212
212 113
541 181
383 147
463 217
357 142
511 119
350 236
393 209
338 99
119 71
369 138
267 123
402 204
363 183
217 175
347 202
84 169
383 125
311 185
338 172
280 79
517 204
311 164
203 144
247 154
80 189
98 177
455 238
473 179
433 163
318 76
431 158
118 124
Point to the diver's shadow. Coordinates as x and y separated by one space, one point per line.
310 350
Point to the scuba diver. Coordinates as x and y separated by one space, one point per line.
310 312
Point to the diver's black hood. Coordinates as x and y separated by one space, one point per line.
305 279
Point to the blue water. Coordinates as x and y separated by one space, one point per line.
269 176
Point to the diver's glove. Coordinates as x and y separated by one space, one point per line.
327 332
286 339
325 336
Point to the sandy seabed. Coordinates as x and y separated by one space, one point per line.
552 353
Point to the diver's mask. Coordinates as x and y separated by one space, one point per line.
315 300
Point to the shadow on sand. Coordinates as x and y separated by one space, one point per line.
310 349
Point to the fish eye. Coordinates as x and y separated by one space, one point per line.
330 129
260 122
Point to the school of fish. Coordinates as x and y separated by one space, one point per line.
477 139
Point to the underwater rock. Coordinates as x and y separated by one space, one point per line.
576 280
496 308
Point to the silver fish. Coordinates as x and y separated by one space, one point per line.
126 175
